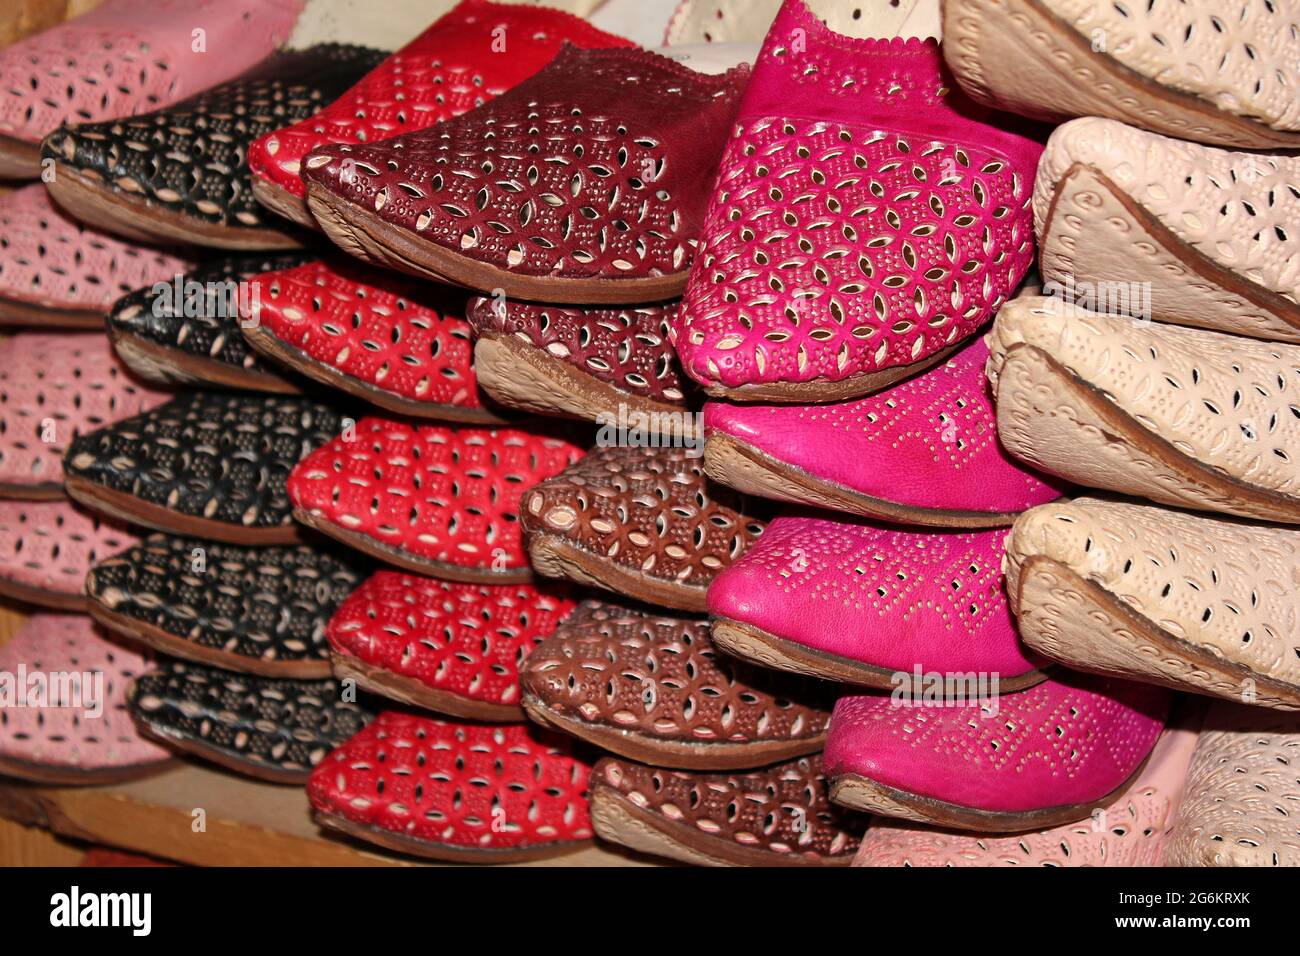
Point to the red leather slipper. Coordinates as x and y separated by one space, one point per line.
451 791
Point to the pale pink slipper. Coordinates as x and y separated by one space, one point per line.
52 388
923 452
56 273
126 57
48 547
77 730
1132 831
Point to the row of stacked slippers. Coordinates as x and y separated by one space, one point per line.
402 494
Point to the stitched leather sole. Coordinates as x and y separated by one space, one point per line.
71 776
557 558
42 597
103 207
987 44
1093 229
283 203
679 755
1050 417
745 640
365 235
174 646
861 793
618 820
443 851
268 344
19 159
407 690
45 491
818 392
409 562
132 510
157 363
747 469
1073 620
521 376
29 315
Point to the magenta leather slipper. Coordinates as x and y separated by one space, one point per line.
859 603
86 737
932 442
1046 756
53 388
867 218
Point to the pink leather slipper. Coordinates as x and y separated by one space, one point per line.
77 729
48 547
859 603
52 388
1044 757
867 218
126 57
1132 831
932 442
55 273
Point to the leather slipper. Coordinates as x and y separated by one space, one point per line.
66 723
1200 71
867 218
451 648
611 218
398 344
186 331
439 74
604 365
642 522
257 611
1133 831
46 548
1196 235
206 464
652 688
1237 808
852 601
932 442
1180 416
1037 759
777 816
1186 601
453 791
56 273
271 729
53 387
180 174
429 499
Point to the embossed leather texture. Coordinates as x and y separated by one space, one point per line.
853 601
1042 757
866 218
272 729
777 816
186 330
207 463
453 648
1131 832
253 610
1180 416
653 688
1167 597
638 521
429 498
88 738
52 388
931 440
1238 807
448 69
1173 231
46 548
454 791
